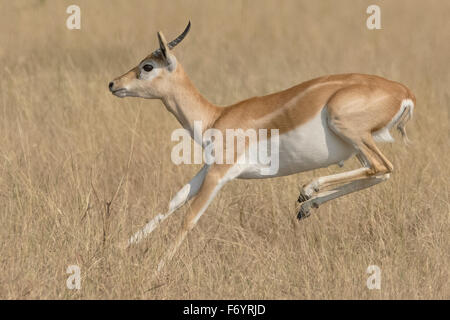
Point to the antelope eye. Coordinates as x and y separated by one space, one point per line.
147 67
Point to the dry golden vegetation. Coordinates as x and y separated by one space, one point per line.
81 170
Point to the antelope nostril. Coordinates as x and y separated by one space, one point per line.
111 85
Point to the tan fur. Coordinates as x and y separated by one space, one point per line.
357 106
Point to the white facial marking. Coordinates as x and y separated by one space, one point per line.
147 76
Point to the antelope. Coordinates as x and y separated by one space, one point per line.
321 122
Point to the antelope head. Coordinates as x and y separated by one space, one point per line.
155 76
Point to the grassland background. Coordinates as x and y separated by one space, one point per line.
68 147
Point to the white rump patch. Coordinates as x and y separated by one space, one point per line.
383 135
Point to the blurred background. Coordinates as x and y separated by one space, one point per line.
81 170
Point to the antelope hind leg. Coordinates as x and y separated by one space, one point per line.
340 191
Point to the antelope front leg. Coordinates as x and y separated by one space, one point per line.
215 179
183 196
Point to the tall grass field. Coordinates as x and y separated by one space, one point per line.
81 170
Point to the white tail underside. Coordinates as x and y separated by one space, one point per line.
383 135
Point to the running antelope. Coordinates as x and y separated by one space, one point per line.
321 122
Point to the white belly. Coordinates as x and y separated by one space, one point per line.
310 146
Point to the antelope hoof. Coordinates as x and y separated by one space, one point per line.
303 197
304 212
305 209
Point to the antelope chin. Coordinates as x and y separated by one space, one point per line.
121 93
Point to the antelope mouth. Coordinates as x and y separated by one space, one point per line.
122 92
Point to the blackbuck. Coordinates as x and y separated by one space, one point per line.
320 122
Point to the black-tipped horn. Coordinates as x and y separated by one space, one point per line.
176 41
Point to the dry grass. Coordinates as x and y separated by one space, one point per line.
69 148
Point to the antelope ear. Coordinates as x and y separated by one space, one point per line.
163 45
164 48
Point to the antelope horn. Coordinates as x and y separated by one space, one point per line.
176 41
